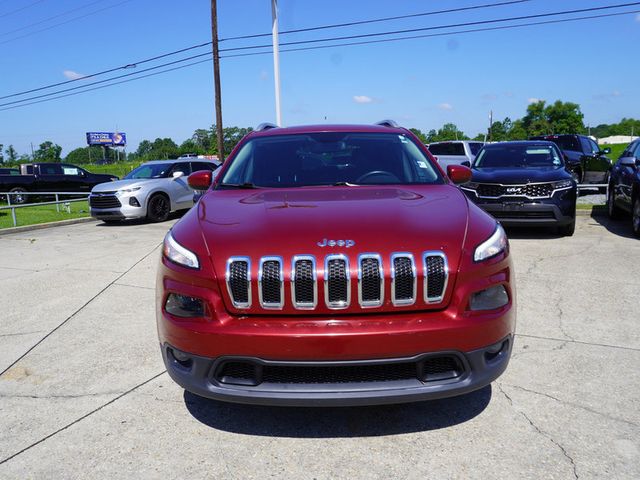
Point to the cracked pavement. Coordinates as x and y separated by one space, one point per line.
83 390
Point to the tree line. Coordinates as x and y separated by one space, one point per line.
540 119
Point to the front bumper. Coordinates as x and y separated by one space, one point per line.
475 369
122 212
558 210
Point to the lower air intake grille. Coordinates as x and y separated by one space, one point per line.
238 282
253 373
104 201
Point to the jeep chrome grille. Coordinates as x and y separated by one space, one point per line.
238 278
370 280
271 282
336 277
304 284
337 281
403 279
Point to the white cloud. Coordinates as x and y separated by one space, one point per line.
638 17
489 97
445 106
607 96
362 99
264 75
534 100
71 75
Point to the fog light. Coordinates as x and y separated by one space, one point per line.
133 201
489 299
183 306
182 358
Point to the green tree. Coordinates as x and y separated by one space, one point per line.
449 131
144 148
564 117
517 131
202 139
48 152
190 146
230 138
12 155
535 121
420 134
87 154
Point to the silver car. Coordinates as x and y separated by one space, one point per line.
151 191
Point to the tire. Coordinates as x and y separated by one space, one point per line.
568 230
17 198
635 216
158 208
612 209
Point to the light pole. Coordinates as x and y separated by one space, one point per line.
276 58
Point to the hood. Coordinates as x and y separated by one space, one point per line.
304 221
120 184
519 175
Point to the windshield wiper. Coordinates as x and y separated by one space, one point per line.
246 185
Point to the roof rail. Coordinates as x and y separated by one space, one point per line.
388 123
265 126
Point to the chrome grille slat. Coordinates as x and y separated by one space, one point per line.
238 279
436 276
403 279
337 281
304 283
370 280
271 283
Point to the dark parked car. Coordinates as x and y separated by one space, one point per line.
50 177
586 162
524 183
334 265
624 188
9 171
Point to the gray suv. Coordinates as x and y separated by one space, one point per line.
151 191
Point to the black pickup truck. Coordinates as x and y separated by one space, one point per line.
586 162
50 177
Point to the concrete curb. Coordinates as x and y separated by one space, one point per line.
40 226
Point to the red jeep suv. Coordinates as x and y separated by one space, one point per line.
334 265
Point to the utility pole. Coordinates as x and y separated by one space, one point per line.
216 79
276 58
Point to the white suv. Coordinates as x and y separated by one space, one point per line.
455 152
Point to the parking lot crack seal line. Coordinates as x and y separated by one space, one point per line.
578 342
80 395
79 309
18 334
82 417
571 404
540 431
133 286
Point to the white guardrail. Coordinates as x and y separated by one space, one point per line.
65 203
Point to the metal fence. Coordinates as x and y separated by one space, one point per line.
65 203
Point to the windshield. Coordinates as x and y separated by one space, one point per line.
329 158
152 170
525 156
447 149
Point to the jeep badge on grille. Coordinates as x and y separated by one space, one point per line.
336 243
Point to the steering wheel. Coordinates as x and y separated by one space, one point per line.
381 173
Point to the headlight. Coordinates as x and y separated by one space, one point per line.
129 190
470 185
562 184
176 253
495 244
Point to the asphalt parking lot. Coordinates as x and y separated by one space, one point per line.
83 391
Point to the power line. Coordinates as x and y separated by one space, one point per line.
21 9
378 20
49 18
442 34
65 22
20 102
192 47
504 27
440 27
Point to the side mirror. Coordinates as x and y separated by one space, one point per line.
177 174
605 151
200 180
629 161
459 174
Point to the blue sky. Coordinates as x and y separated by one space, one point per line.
420 83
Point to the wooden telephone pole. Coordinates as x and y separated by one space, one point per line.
216 79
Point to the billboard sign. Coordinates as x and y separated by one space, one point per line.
109 139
